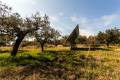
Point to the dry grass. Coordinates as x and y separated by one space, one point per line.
61 64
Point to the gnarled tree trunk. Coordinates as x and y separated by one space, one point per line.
16 45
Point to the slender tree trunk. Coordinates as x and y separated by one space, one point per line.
42 47
16 45
107 44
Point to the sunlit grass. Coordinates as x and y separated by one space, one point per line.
58 49
61 63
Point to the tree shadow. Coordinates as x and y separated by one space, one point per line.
91 49
57 65
4 51
8 51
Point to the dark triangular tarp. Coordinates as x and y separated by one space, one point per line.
73 36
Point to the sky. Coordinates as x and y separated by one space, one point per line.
91 15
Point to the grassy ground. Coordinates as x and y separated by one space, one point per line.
60 64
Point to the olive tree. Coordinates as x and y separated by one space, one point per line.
46 33
13 24
110 36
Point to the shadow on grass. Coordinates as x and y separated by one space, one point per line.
81 49
92 49
8 51
4 51
57 65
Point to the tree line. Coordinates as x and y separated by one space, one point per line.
107 37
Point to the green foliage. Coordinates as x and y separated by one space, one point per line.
101 37
110 36
46 34
82 40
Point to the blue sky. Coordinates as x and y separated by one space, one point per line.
92 15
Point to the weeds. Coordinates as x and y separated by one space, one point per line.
72 65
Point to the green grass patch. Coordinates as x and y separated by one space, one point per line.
81 65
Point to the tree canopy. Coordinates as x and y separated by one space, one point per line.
46 33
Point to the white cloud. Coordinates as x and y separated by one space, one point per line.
24 7
109 19
83 20
19 2
74 18
54 18
85 32
61 14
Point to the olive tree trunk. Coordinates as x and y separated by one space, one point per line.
16 45
42 47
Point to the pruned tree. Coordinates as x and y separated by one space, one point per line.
13 24
56 37
45 33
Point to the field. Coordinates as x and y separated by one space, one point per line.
60 64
